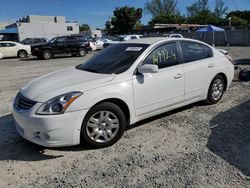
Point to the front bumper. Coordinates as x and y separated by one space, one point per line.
49 130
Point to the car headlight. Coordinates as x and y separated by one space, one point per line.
59 104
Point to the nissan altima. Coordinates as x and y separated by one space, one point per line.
94 102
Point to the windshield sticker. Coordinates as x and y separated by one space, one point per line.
134 49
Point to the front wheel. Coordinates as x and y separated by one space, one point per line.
216 90
22 54
82 52
103 125
47 54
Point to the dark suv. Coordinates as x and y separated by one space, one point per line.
74 45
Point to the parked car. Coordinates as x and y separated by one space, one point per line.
13 49
174 35
122 38
94 102
74 45
32 41
100 42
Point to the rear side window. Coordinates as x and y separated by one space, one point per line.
193 51
82 39
7 44
164 56
133 37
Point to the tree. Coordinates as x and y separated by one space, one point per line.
125 18
163 11
220 8
199 7
199 13
159 8
239 18
84 27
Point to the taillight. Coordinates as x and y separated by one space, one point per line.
88 44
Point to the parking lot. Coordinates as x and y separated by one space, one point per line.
194 146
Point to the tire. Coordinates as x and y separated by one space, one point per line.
47 54
216 90
98 131
82 52
22 54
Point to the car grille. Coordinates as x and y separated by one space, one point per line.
23 103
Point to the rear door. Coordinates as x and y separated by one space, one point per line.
199 69
8 49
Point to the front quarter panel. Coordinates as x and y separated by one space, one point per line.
120 90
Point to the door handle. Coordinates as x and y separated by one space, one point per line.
177 76
211 65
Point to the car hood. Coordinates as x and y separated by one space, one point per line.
63 81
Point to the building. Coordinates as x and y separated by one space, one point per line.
39 26
2 26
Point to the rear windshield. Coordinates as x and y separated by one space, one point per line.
116 59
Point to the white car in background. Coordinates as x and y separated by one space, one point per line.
94 102
14 49
173 35
122 38
100 42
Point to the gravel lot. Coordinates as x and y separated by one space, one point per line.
194 146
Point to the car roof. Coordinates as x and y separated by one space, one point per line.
149 40
6 41
152 40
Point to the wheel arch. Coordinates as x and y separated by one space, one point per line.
225 79
22 50
121 104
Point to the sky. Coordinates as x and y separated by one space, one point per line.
92 12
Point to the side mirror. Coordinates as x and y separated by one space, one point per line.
148 68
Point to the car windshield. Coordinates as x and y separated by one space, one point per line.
114 59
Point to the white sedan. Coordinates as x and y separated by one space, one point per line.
100 42
94 102
13 49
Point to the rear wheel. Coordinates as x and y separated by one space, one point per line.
82 52
103 125
47 54
216 90
22 54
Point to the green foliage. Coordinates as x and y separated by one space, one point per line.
84 27
159 8
163 11
108 26
125 18
220 8
240 18
199 13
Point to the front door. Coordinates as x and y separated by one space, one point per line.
59 46
163 89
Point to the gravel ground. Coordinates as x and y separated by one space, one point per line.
194 146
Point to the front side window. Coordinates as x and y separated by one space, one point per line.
115 59
60 40
164 56
193 51
9 44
